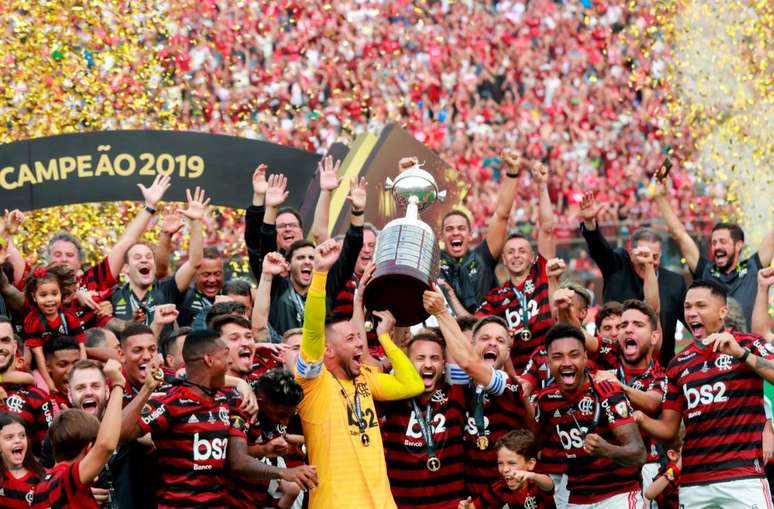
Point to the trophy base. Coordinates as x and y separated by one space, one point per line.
400 293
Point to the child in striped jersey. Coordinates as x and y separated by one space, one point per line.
520 486
666 485
19 470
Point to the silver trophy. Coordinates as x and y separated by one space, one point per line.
406 250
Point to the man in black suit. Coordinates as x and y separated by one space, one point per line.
623 279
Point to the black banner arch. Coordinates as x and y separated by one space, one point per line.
108 165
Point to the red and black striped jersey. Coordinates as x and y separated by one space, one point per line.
669 498
503 301
649 379
500 496
61 488
38 330
343 303
34 406
405 449
17 493
595 408
502 413
249 494
191 433
722 405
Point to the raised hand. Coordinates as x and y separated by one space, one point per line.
512 160
589 207
165 314
197 205
153 194
433 302
326 255
154 375
766 277
563 298
358 193
386 322
276 191
274 264
171 224
329 173
539 172
643 256
112 371
13 221
260 185
555 267
724 342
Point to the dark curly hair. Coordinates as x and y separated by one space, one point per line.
280 387
60 274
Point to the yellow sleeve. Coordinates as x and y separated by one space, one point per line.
309 362
404 383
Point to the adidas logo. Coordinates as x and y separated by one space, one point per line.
557 413
193 420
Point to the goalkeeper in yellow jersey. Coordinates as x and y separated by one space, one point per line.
338 413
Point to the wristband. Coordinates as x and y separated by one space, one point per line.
512 175
358 212
744 356
149 209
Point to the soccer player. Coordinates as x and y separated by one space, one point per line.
594 425
523 300
715 388
423 436
629 363
494 401
519 486
470 272
724 264
82 447
197 431
337 413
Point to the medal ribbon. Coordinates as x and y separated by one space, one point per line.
478 411
523 311
424 425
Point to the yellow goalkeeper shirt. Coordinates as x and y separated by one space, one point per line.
350 474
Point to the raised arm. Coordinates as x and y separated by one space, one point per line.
170 225
404 382
274 265
313 339
677 230
329 181
459 349
761 321
546 241
498 223
766 251
555 267
599 249
276 194
9 227
109 429
254 220
195 212
134 230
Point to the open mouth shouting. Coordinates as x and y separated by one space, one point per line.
697 329
568 375
306 274
630 347
721 257
455 245
90 405
428 377
491 355
17 454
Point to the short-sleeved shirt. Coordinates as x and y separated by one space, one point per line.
163 291
721 401
413 484
38 330
505 301
191 433
500 496
595 408
62 488
471 276
741 283
17 493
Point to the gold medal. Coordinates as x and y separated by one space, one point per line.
364 439
526 335
433 464
482 442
